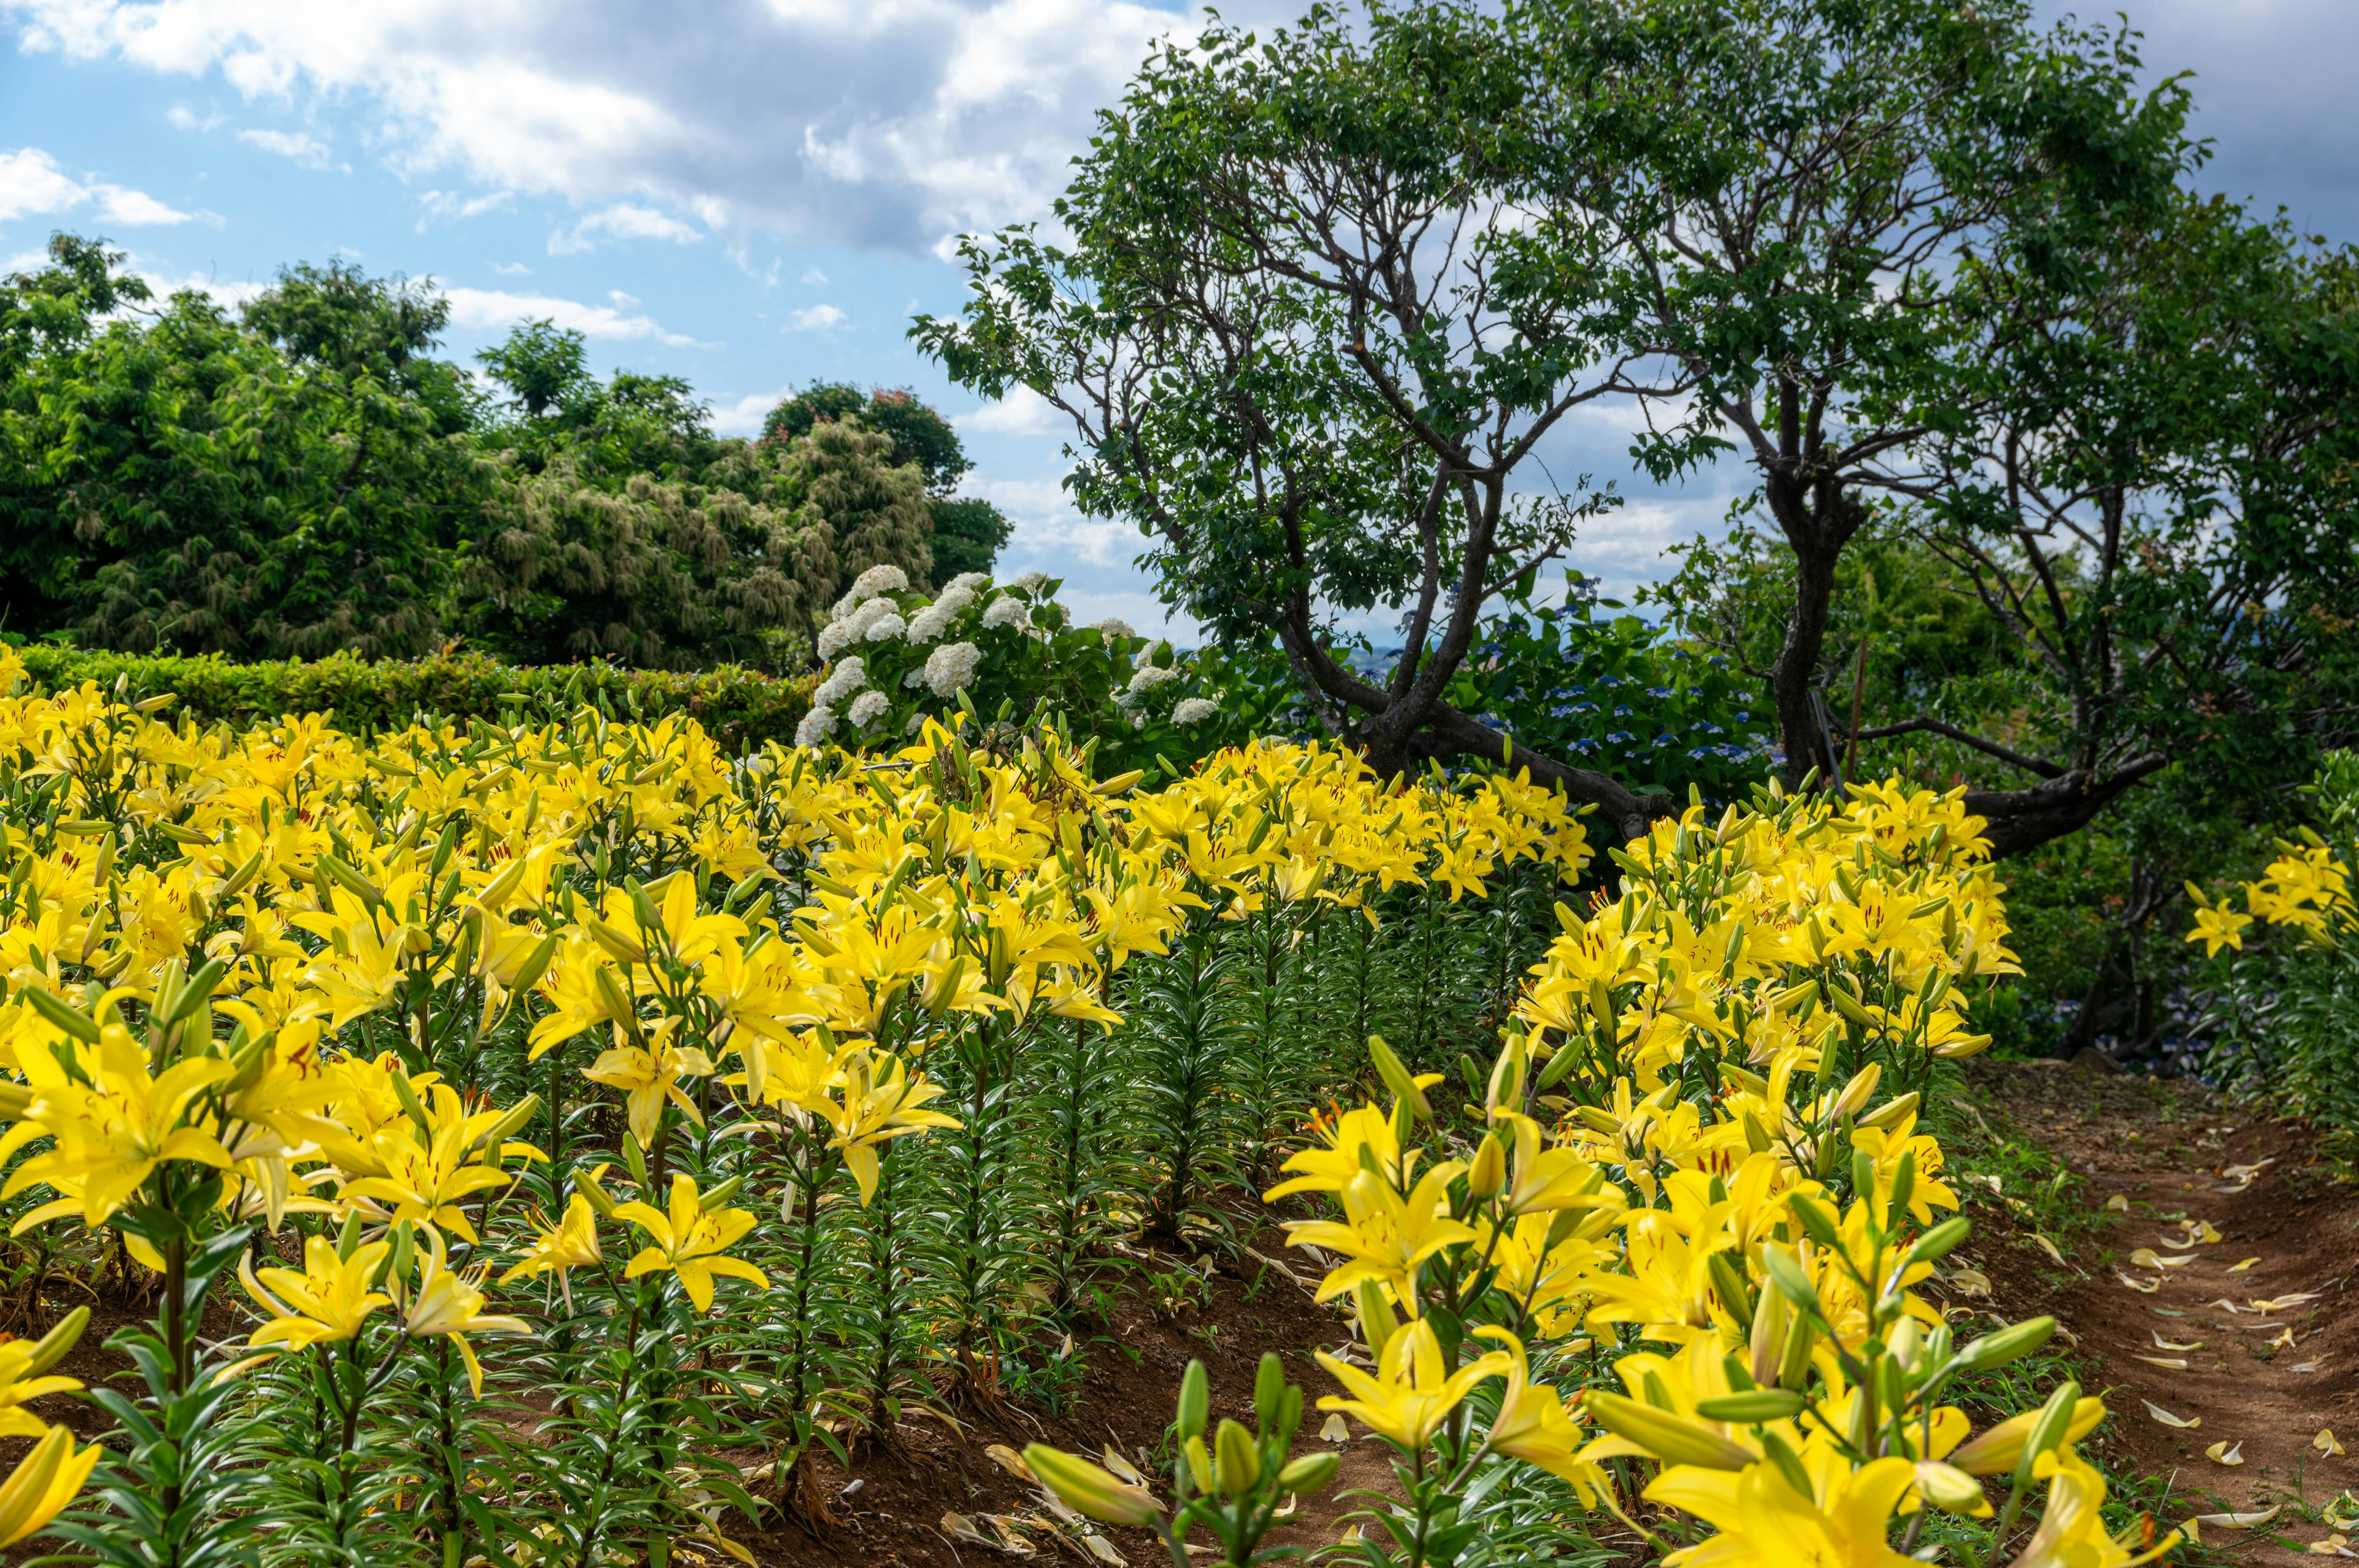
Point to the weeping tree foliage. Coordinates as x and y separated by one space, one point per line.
740 564
968 531
1326 295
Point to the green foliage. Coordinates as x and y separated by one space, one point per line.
968 532
742 707
1619 696
307 478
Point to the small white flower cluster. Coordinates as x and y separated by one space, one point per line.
1146 679
1031 581
1191 711
1006 610
816 725
857 625
868 708
1113 627
884 628
929 624
848 676
1152 652
950 668
967 583
869 584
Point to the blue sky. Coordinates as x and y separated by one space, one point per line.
753 195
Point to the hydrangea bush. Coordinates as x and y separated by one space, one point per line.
894 656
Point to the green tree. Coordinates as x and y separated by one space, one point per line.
969 531
1304 352
176 480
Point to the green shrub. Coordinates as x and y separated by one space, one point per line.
741 708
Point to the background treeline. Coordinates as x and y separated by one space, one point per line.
303 476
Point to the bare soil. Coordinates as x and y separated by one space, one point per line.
2252 1336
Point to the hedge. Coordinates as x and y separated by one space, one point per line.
740 708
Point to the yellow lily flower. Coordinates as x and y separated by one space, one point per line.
113 1132
1762 1519
324 1304
1536 1426
1385 1235
687 1242
570 1244
2071 1533
647 1076
881 1102
1412 1394
43 1483
450 1303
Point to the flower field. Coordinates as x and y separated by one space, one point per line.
547 1143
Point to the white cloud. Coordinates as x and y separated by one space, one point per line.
1049 534
1023 412
303 147
818 318
813 277
744 416
872 122
487 309
623 301
511 269
623 221
184 119
32 185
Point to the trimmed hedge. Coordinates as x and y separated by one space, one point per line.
739 708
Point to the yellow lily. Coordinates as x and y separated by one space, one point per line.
449 1303
324 1304
1762 1519
881 1102
1412 1394
1386 1237
687 1242
113 1132
43 1483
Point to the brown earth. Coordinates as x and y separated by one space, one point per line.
2265 1382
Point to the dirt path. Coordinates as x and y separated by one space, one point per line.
2252 1334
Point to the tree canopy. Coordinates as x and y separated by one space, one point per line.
1927 273
309 474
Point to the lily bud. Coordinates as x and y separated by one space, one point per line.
1488 1174
1195 1401
1310 1473
1086 1489
1238 1459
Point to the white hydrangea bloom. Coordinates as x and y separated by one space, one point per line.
869 584
955 599
884 629
1035 581
840 634
966 583
950 668
1114 626
816 725
917 722
1006 610
1191 711
929 624
1150 653
1143 681
848 676
916 677
868 708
